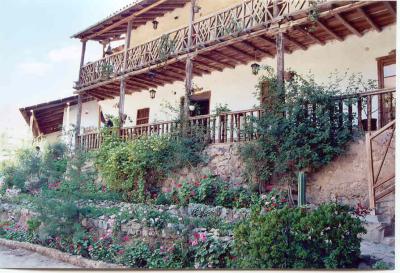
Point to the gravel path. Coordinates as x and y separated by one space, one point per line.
21 258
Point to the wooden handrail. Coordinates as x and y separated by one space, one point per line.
229 126
249 15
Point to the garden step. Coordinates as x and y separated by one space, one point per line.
389 240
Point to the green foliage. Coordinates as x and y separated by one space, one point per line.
381 266
209 252
302 128
38 168
136 255
327 237
136 166
212 191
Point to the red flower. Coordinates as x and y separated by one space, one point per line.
120 252
197 183
179 185
125 238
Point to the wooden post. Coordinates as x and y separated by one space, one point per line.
78 121
31 123
189 67
121 103
280 65
371 186
82 58
79 105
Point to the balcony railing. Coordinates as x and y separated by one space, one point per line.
245 17
366 111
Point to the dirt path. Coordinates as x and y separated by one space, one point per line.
21 258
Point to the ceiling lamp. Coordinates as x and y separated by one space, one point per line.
255 67
109 50
152 93
155 24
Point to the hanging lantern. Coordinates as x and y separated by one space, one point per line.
155 24
255 67
191 107
109 50
152 93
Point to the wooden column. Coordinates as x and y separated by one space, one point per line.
31 123
122 88
79 105
280 50
189 64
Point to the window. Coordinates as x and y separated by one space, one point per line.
142 116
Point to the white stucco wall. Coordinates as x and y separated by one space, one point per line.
89 116
236 87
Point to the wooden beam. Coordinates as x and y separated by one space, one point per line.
205 64
253 47
293 41
310 35
272 42
241 52
369 19
145 83
127 19
390 8
327 29
347 25
223 55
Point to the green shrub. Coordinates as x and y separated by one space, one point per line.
136 255
292 135
137 166
327 237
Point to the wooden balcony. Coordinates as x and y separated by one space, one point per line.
229 38
363 111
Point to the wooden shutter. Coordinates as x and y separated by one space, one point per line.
142 116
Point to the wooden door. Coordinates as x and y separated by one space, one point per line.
386 79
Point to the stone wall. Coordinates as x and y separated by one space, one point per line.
221 159
139 228
346 178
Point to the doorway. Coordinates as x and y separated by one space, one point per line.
201 103
386 79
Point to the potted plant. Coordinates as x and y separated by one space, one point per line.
106 70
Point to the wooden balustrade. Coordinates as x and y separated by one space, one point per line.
245 17
238 126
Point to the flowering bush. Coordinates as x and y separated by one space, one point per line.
208 251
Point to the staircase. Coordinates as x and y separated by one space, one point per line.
381 176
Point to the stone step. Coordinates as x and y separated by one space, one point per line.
389 240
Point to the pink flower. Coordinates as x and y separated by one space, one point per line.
192 193
196 235
90 248
203 237
194 243
120 252
125 238
179 185
197 184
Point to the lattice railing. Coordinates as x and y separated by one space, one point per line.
235 20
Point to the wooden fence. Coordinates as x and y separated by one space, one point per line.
367 111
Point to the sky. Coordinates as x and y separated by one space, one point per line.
38 60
